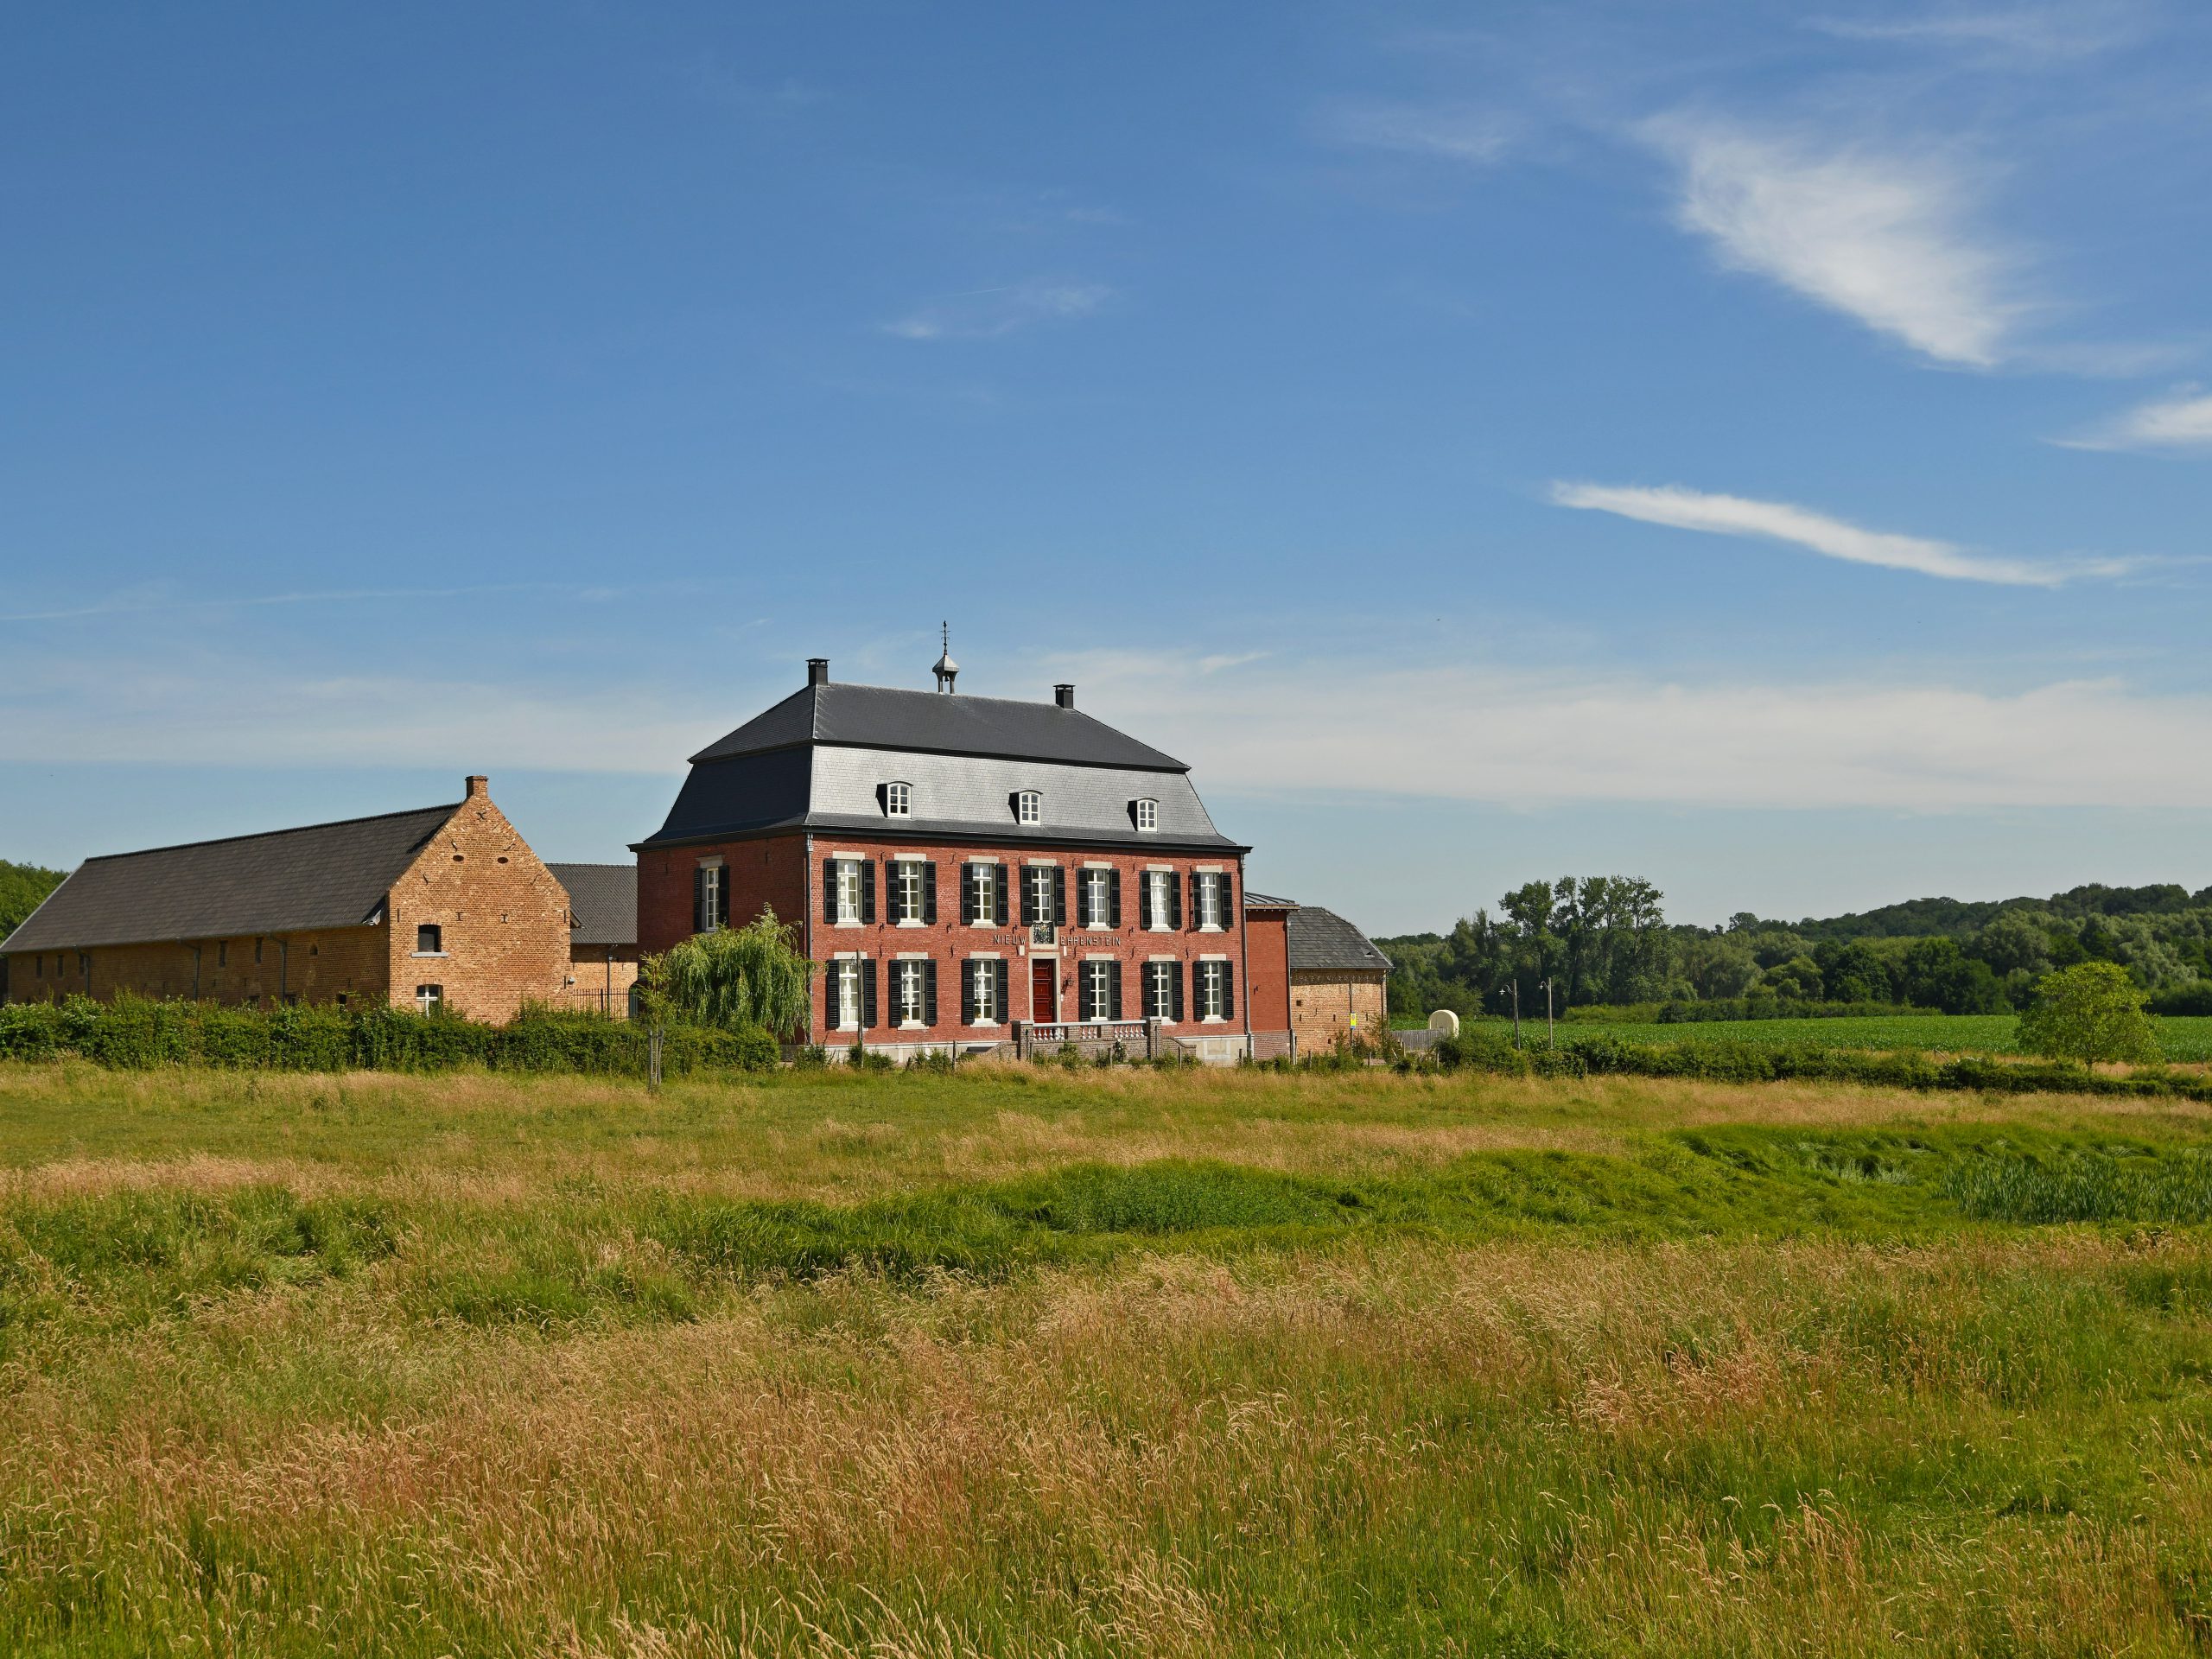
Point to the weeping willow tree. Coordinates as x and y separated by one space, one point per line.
749 978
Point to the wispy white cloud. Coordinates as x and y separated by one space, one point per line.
2032 32
2183 421
140 601
1835 539
989 313
1885 238
1527 737
1454 132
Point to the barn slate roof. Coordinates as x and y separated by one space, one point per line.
888 717
1323 942
604 899
283 881
1265 901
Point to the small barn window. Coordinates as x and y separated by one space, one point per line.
1147 813
1028 807
429 940
429 999
898 800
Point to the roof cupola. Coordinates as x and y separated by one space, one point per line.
946 669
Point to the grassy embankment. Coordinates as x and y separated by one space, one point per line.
1141 1363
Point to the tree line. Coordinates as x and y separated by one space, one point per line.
1605 939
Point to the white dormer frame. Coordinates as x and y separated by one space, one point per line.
899 799
1146 810
1028 806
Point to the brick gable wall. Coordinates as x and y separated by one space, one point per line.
503 918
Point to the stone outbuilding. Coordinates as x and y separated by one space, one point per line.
439 908
1338 980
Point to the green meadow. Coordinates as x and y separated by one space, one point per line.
1030 1361
2186 1039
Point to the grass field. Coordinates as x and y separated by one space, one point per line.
2185 1039
1027 1362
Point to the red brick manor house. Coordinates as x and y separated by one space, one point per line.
971 872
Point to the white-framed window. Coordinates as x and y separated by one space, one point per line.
1213 990
850 873
908 982
1097 992
899 800
906 891
983 895
983 990
711 897
1029 807
1159 885
1097 898
429 999
1148 815
1209 908
848 973
1040 892
1159 988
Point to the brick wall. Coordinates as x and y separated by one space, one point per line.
503 918
1322 1005
1267 942
600 976
764 874
307 967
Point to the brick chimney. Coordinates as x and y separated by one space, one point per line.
476 782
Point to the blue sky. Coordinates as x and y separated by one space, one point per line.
1760 448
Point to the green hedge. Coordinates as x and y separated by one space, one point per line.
135 1035
1728 1062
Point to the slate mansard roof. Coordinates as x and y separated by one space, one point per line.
603 897
287 881
1323 942
820 760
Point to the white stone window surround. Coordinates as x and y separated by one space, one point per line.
983 988
1160 886
846 964
985 890
907 988
1202 982
851 870
1094 882
906 867
1159 995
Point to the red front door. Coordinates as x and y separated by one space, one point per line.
1044 984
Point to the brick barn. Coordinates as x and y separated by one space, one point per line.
970 872
1316 980
441 907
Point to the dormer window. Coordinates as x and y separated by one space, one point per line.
1029 807
1148 812
898 800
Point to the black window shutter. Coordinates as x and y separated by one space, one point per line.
1175 990
829 889
1144 899
999 988
1114 900
928 992
1228 990
968 993
1228 895
1175 899
968 895
833 1012
998 890
928 895
1059 897
1114 990
1028 897
868 995
698 897
867 894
